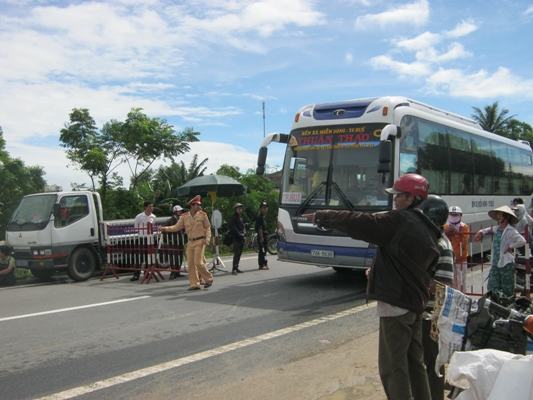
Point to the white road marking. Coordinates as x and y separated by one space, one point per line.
179 362
60 310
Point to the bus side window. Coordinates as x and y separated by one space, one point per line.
483 165
408 145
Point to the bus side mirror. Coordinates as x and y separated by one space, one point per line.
261 161
385 156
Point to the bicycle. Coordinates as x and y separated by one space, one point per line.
252 242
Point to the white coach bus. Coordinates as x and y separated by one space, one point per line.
343 155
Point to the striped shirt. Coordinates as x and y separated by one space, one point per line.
444 267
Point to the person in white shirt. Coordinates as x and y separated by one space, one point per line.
142 224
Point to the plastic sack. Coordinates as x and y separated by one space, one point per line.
489 374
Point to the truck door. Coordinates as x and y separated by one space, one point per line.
74 223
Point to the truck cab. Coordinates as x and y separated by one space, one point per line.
57 231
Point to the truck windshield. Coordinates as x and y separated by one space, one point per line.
334 167
33 213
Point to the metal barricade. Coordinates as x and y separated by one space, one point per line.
142 249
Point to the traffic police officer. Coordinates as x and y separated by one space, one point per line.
198 229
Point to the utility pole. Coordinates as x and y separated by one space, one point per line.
264 129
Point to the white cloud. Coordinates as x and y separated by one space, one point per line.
222 153
416 68
133 40
109 57
529 10
430 55
60 172
480 84
422 41
57 169
263 17
32 110
463 28
416 14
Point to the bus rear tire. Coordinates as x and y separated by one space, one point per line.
82 264
341 270
42 274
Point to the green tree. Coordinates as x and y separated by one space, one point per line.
519 130
17 180
93 151
492 118
229 170
79 138
145 140
168 178
258 189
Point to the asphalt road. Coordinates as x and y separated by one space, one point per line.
97 339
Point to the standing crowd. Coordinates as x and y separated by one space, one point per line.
422 242
197 229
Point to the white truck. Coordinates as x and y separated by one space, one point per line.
58 231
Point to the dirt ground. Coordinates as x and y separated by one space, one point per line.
348 372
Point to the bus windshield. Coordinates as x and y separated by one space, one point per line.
334 167
33 213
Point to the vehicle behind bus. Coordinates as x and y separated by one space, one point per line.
63 232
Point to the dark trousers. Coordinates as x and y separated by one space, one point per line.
237 251
431 351
261 260
401 358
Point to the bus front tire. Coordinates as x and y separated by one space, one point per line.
272 244
82 264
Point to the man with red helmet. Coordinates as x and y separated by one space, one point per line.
399 280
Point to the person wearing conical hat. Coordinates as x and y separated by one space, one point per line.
198 230
505 239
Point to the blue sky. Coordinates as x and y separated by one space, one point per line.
209 64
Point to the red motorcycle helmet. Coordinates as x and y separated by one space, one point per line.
414 184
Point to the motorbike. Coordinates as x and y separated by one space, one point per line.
496 325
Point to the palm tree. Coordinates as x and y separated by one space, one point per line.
492 119
168 178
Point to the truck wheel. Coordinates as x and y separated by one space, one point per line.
42 274
82 264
